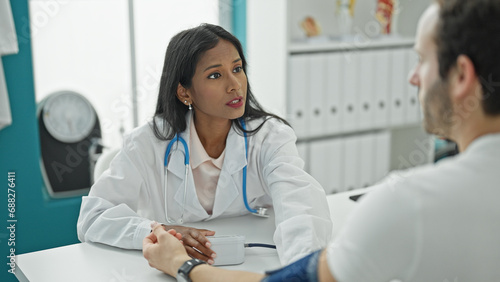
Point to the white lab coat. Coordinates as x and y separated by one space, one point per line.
130 194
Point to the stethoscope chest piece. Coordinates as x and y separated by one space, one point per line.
261 212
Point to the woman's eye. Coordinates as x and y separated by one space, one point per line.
214 75
238 69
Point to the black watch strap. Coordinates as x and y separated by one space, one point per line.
185 269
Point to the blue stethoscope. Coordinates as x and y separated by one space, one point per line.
260 211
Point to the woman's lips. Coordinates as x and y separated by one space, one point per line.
236 103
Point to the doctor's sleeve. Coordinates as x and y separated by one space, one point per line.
303 223
108 214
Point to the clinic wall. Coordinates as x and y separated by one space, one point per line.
266 52
41 222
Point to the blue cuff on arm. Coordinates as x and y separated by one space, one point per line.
305 269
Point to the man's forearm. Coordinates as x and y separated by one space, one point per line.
324 274
207 273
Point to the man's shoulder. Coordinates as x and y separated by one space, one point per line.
445 170
432 183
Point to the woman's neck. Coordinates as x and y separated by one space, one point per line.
212 135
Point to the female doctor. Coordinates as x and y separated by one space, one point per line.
210 151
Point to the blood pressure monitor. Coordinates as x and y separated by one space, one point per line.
69 131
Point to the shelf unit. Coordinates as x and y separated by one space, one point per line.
354 113
334 45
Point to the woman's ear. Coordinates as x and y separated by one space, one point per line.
183 95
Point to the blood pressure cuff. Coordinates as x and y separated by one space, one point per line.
305 269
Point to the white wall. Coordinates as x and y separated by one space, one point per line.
266 52
156 21
86 54
84 46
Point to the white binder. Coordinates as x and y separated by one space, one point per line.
316 94
299 95
327 164
381 90
335 165
351 163
366 100
350 91
367 160
398 87
382 155
413 112
319 163
333 101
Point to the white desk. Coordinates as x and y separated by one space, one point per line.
97 262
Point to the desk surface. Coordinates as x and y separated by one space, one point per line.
98 262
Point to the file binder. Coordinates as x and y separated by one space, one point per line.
299 95
367 161
398 87
334 94
367 75
316 95
351 163
350 91
381 109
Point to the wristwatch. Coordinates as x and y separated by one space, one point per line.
185 269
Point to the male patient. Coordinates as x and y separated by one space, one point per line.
437 222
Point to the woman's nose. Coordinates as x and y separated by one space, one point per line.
233 83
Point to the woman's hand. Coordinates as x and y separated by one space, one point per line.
195 242
164 250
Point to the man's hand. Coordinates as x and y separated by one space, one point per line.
164 250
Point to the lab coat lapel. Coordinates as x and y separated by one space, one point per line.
229 184
178 168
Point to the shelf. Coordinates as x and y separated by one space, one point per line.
348 133
324 44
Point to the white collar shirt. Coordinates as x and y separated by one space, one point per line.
206 170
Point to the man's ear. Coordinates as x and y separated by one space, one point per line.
183 95
463 79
